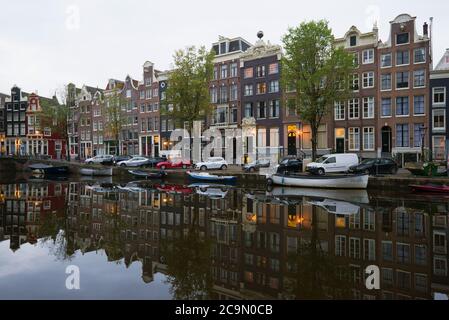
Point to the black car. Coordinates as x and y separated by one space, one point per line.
117 159
376 166
153 161
256 165
289 165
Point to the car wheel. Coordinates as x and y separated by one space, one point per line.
224 167
270 182
203 168
394 170
90 162
184 166
123 165
321 172
163 167
252 170
367 172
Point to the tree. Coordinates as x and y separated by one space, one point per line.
56 117
317 70
187 93
112 109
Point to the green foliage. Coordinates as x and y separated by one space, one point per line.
188 86
317 70
112 110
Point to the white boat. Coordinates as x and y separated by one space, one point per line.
323 182
356 196
104 172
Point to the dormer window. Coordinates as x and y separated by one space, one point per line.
148 81
128 93
402 38
353 41
223 47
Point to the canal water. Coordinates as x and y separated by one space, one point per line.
149 241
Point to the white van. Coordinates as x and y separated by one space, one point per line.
333 163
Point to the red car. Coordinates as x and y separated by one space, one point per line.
174 164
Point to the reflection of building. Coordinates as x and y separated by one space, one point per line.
2 122
15 108
439 89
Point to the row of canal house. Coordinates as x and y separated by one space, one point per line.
392 110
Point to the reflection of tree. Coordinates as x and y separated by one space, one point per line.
111 242
52 230
315 273
188 264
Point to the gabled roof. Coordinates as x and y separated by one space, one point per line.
443 65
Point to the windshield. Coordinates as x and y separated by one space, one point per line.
368 161
322 159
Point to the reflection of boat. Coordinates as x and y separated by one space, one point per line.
355 196
336 207
210 190
148 175
174 189
204 176
49 170
96 179
96 172
326 182
431 188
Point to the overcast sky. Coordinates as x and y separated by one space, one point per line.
47 43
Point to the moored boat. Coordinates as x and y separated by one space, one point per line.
105 172
204 176
49 170
148 175
355 196
357 181
431 188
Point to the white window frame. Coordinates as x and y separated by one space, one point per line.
352 145
425 55
349 109
439 129
371 102
369 59
337 107
381 82
391 60
396 58
433 96
365 143
425 79
367 75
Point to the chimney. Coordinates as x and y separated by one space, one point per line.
426 29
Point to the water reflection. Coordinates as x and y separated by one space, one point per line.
211 241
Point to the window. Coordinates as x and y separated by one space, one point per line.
387 251
128 93
234 92
385 83
369 249
248 73
142 94
248 90
260 71
274 86
402 58
368 80
355 82
402 106
418 105
340 246
420 255
402 135
353 109
419 78
149 94
261 110
368 138
339 111
368 108
418 134
386 60
402 80
419 55
403 253
439 120
249 110
355 59
215 73
261 88
421 282
403 280
234 70
224 71
274 137
439 95
402 38
273 68
368 56
354 248
223 94
274 108
439 147
354 139
353 41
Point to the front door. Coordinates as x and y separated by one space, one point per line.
340 145
291 144
386 140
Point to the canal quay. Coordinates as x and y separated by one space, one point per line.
174 240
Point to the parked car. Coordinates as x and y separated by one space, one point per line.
289 165
117 159
103 159
134 162
153 161
333 163
376 166
212 163
256 165
174 164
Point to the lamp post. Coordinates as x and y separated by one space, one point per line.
422 131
